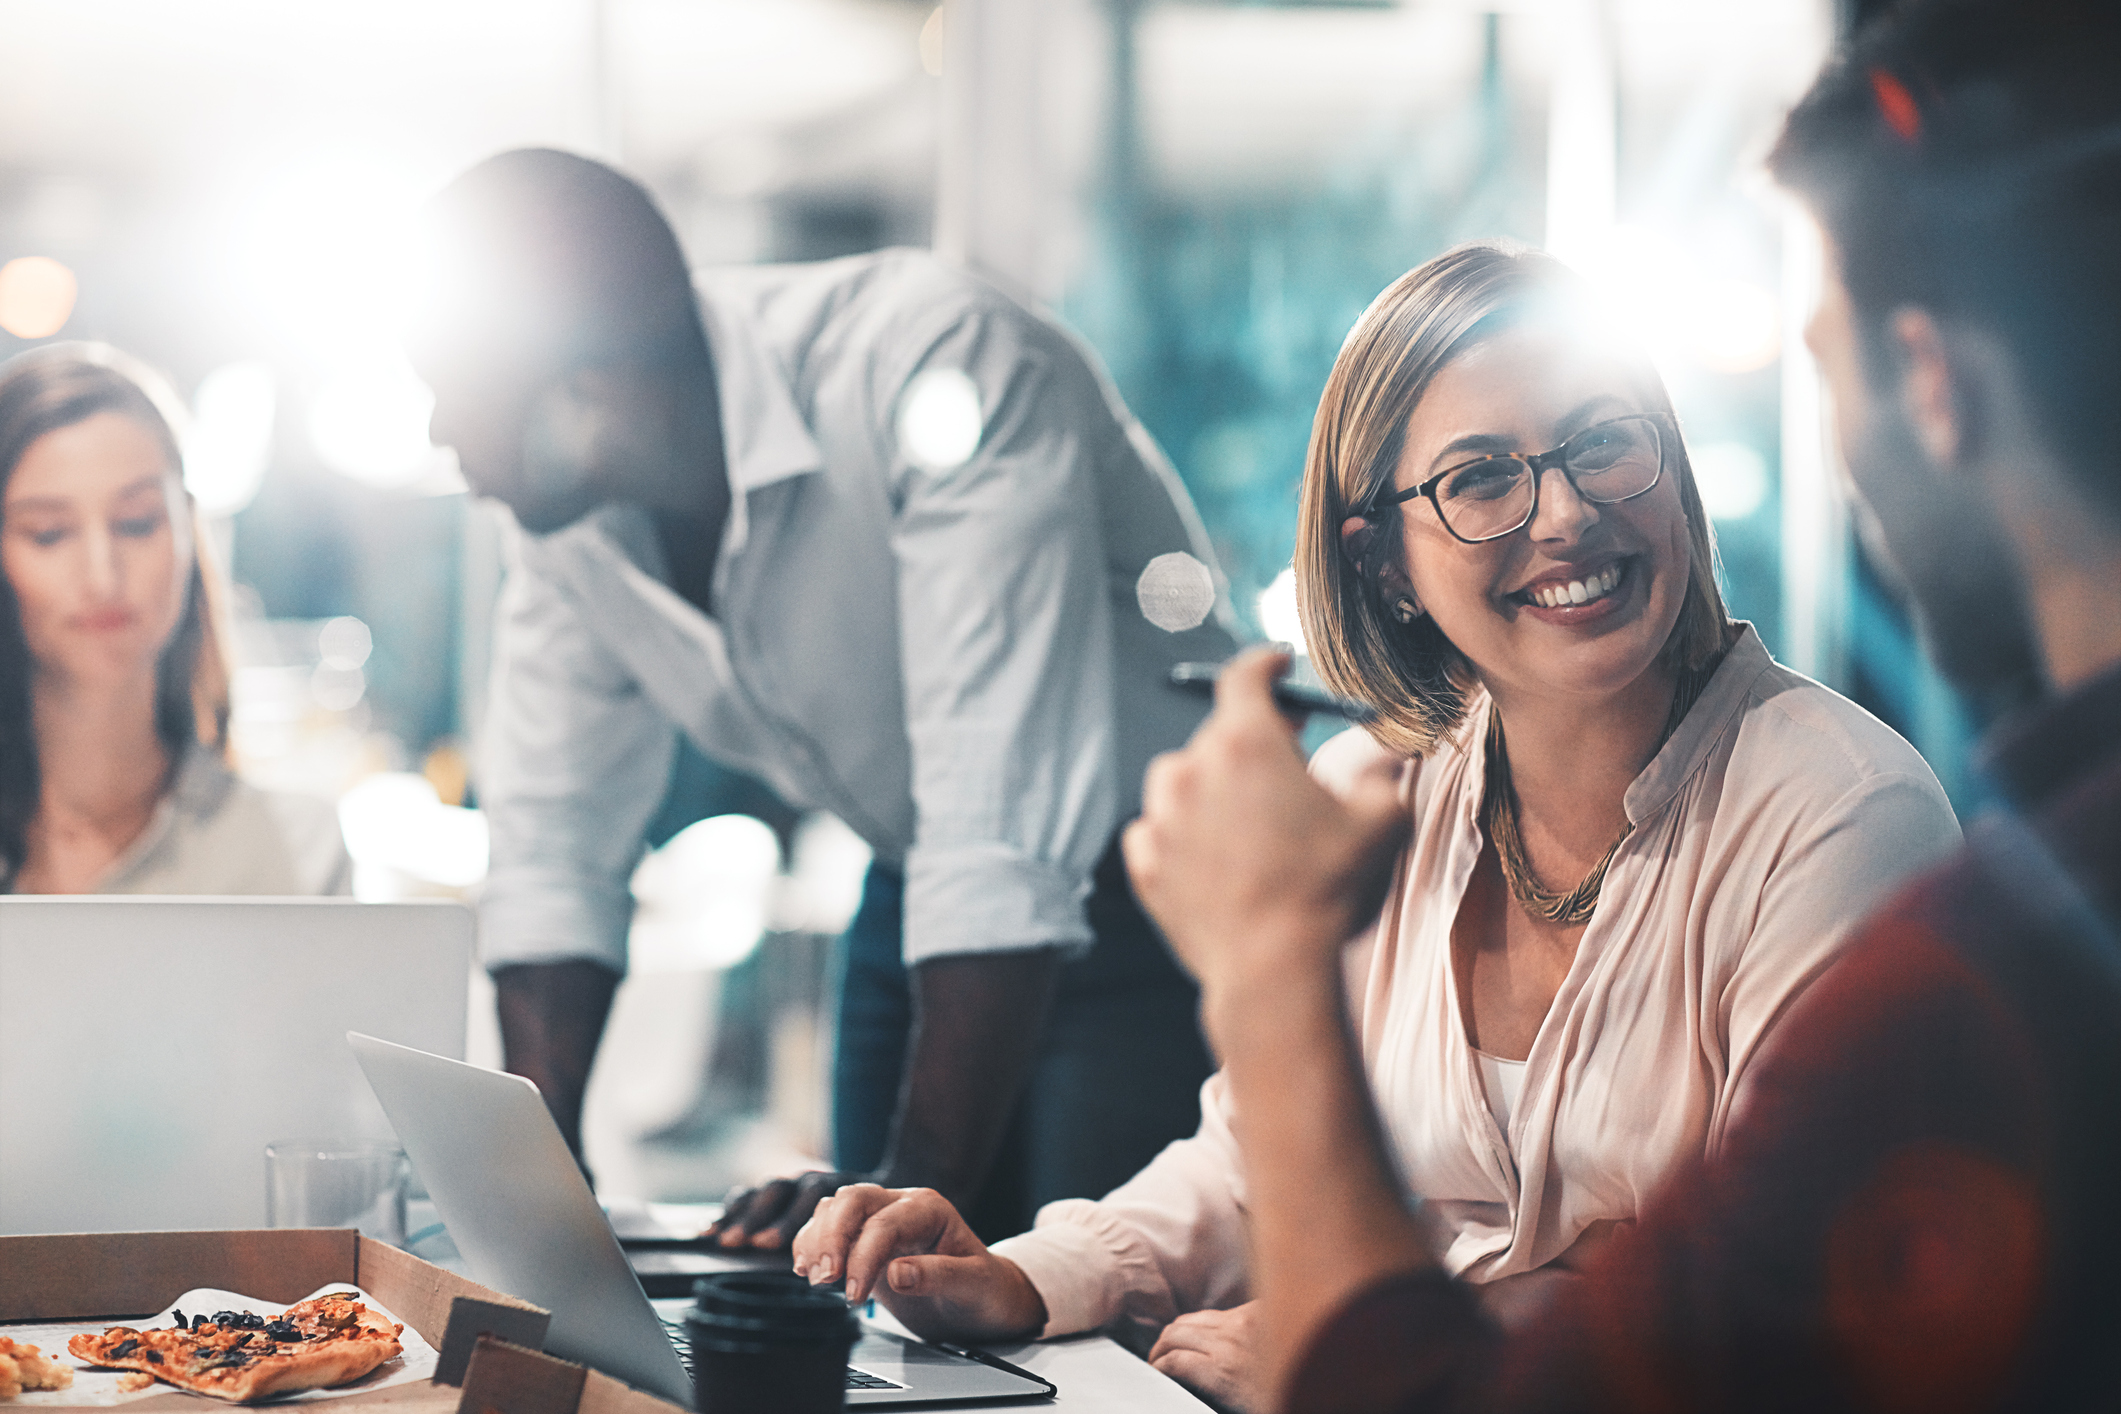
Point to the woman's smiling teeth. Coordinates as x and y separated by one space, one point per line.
1576 591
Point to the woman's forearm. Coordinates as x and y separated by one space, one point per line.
1328 1215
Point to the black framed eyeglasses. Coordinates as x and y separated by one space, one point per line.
1490 497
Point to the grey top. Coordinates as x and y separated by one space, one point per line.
213 833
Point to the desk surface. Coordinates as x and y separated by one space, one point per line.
1093 1372
1090 1372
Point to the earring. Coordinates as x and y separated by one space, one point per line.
1405 609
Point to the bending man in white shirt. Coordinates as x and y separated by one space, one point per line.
875 534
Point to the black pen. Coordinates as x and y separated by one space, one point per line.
1199 679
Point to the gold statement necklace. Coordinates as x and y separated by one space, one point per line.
1498 816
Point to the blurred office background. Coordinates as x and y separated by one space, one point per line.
1208 192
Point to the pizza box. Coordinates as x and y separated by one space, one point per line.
487 1341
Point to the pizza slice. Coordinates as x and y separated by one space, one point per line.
26 1367
240 1357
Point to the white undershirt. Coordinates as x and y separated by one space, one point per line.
1502 1080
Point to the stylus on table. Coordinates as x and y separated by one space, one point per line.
1199 679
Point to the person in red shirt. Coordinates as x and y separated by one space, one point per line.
1918 1205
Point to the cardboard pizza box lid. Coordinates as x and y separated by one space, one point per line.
90 1276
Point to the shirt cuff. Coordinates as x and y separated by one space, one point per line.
991 898
1075 1274
537 920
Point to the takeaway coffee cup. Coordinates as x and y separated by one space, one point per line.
768 1343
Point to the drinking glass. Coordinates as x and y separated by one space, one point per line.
337 1183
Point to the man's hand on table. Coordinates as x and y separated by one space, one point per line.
1217 1353
1255 872
768 1217
908 1248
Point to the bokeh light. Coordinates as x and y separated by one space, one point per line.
337 689
939 420
394 823
230 441
36 296
1733 479
1660 289
932 40
1735 326
344 642
702 901
368 420
1278 616
1176 592
324 250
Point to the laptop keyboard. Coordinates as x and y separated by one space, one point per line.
856 1379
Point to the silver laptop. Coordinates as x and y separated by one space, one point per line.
150 1048
520 1211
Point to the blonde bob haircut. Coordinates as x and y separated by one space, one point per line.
1415 677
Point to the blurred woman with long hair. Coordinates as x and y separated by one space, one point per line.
114 691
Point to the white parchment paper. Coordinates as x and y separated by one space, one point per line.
96 1388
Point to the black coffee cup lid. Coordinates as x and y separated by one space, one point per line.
778 1301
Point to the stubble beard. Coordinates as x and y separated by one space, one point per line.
1955 565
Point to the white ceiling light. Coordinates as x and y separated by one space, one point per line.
230 442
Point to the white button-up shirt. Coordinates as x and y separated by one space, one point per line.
952 660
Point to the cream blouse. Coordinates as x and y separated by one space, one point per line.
1776 817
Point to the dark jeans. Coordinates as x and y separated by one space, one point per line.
1116 1078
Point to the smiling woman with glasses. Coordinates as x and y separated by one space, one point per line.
1634 837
